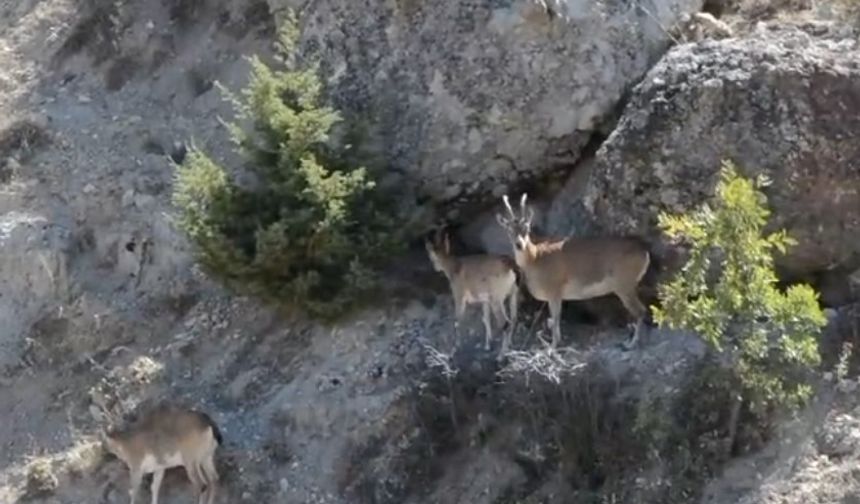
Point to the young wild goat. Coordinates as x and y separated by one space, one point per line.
576 268
169 436
483 278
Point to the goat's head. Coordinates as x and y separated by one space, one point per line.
519 226
438 246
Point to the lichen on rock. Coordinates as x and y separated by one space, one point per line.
781 103
467 97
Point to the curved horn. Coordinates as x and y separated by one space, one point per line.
508 206
523 203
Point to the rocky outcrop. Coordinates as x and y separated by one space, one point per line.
784 102
467 98
33 277
813 461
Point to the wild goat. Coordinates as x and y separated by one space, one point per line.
480 278
169 436
698 26
575 268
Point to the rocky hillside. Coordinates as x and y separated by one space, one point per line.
596 108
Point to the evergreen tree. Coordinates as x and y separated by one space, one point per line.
313 229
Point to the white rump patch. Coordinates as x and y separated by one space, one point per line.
151 464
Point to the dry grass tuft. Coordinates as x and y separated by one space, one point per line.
22 139
41 480
83 459
97 32
746 13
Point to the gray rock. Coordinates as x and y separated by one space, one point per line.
236 389
566 215
33 276
840 436
783 103
467 96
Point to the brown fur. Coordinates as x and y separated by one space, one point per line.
574 268
169 431
699 26
483 278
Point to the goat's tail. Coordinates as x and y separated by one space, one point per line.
216 432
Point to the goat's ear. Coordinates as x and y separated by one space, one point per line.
439 235
530 215
431 237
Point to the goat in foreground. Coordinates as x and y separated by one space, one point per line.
575 268
169 436
481 278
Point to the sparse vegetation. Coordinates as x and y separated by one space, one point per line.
727 292
22 139
97 32
83 458
848 9
313 229
41 480
842 366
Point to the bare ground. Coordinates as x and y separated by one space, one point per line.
104 92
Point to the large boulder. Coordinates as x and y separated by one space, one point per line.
784 102
34 281
465 98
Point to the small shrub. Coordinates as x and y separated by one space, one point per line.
313 230
727 292
22 139
700 415
843 365
41 480
652 423
83 459
845 11
98 31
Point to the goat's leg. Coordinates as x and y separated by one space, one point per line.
459 311
488 326
512 322
635 307
555 315
500 312
136 476
500 315
157 476
198 483
212 477
502 318
459 308
514 305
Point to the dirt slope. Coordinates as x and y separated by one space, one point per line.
101 307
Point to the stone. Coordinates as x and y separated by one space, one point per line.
34 266
464 86
840 435
236 389
785 107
